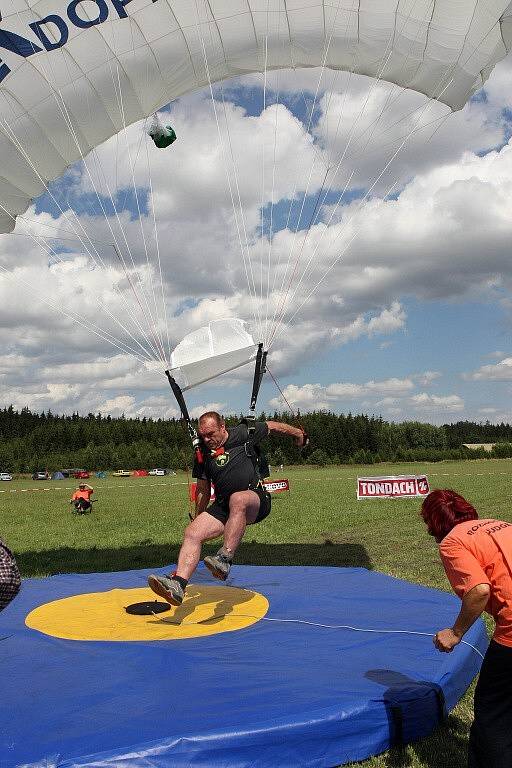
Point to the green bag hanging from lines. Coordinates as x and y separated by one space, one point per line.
162 135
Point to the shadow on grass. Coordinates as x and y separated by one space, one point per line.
447 747
149 555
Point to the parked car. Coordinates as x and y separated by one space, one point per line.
5 476
157 472
40 475
121 473
82 475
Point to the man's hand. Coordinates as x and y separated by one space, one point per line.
301 440
445 640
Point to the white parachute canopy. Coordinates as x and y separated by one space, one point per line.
61 73
214 349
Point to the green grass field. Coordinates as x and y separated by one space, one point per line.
138 523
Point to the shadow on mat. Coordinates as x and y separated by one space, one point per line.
149 555
407 701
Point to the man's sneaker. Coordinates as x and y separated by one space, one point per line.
168 588
219 565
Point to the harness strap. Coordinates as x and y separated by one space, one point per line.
178 394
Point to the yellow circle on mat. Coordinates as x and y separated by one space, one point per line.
206 610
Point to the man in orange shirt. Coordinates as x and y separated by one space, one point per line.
82 497
477 558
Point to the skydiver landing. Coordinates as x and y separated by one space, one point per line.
229 460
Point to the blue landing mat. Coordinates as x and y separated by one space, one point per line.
271 695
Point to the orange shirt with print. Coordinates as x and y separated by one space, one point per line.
480 552
82 493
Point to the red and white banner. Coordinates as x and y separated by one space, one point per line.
391 487
276 486
272 486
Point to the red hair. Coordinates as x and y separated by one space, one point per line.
443 509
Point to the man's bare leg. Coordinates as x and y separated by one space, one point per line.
172 588
203 528
243 510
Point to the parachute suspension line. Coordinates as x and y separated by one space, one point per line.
14 139
390 99
292 412
67 120
274 165
20 217
151 321
157 246
246 255
249 270
271 221
279 308
239 224
132 167
90 327
106 335
157 348
414 129
263 158
280 391
316 151
287 298
119 98
313 164
10 134
354 235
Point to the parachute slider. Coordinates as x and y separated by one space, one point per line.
163 135
210 351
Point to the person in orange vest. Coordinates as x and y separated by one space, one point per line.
477 558
81 499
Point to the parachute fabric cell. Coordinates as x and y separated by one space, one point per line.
210 351
66 69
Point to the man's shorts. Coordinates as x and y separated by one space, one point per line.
220 510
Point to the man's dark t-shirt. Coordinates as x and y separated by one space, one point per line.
233 470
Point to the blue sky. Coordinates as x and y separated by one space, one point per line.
412 323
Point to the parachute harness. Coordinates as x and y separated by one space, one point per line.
194 437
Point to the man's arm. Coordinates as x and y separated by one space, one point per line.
286 429
473 605
203 491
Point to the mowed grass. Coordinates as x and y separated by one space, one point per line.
138 523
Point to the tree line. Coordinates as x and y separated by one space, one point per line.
31 441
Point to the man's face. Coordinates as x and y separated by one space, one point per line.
212 434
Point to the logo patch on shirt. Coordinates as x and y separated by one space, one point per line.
222 459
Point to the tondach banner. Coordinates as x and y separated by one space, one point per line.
393 486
